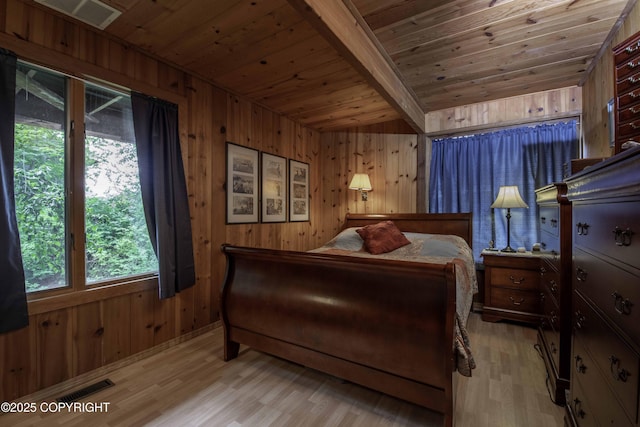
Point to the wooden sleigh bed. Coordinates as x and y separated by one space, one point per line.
386 324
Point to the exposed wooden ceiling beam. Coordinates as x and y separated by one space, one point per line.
349 36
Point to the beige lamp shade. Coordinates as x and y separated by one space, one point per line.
509 197
360 181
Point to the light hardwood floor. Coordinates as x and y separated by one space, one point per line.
190 385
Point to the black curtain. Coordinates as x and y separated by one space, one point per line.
164 191
13 298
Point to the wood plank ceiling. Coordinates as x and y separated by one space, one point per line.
333 64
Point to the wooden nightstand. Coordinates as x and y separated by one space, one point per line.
512 287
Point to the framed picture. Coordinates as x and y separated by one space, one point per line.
298 191
274 188
242 184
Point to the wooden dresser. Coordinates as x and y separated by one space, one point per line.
606 280
554 331
626 57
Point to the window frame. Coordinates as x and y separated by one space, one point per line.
75 290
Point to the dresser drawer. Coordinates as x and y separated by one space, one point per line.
617 363
549 219
550 327
629 83
581 409
626 99
608 229
514 299
627 54
550 280
629 113
615 291
627 67
515 278
588 381
629 129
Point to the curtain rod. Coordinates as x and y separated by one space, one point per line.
474 130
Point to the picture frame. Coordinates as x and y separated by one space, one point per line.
242 180
273 188
298 191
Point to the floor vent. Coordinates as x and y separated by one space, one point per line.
86 391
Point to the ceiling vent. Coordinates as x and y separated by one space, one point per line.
92 12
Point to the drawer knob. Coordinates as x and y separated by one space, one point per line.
583 228
554 286
581 368
577 408
632 48
581 274
618 374
622 237
621 304
514 302
580 319
516 281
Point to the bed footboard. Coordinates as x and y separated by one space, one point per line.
383 324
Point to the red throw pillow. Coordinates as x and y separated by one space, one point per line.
382 237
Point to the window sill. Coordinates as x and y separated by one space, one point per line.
45 302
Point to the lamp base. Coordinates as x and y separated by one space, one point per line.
508 249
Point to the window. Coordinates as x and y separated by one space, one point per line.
39 173
116 240
466 173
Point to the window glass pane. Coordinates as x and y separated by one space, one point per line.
117 242
40 176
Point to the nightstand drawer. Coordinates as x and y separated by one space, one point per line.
515 278
513 299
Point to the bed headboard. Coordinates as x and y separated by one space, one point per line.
458 224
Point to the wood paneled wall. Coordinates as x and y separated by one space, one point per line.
598 89
539 106
73 333
390 159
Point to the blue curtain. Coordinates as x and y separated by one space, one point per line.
164 191
13 298
467 172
